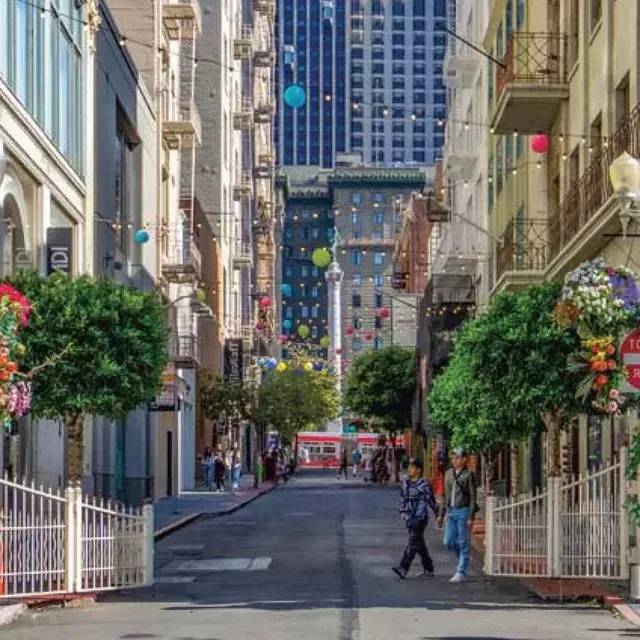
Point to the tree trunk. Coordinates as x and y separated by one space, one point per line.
552 424
488 472
75 448
514 489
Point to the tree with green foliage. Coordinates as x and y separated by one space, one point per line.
226 402
94 347
296 400
517 369
381 385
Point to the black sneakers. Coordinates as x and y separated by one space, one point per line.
400 572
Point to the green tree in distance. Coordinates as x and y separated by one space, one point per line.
226 402
380 386
296 400
94 347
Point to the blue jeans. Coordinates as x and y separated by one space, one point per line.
457 537
234 477
208 475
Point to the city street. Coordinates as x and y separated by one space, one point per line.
312 560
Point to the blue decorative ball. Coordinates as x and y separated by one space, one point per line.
317 366
286 290
287 324
295 96
141 236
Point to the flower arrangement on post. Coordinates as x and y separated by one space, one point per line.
602 303
15 391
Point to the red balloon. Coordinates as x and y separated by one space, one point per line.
265 302
540 143
259 325
384 312
368 336
338 351
350 330
283 339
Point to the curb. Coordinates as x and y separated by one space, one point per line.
10 613
183 522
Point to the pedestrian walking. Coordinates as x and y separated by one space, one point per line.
218 471
235 467
368 468
460 507
207 467
344 464
357 460
417 499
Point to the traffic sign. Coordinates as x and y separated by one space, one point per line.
630 352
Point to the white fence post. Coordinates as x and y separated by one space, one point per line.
623 515
554 526
488 534
78 537
149 544
72 543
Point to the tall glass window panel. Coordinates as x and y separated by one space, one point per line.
20 79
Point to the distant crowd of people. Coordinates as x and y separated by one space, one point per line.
222 469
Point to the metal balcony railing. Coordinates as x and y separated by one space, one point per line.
183 264
533 58
593 189
523 247
184 349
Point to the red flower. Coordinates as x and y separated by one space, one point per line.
611 364
15 296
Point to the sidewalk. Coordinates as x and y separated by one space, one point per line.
174 512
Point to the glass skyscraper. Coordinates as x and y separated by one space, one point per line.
372 73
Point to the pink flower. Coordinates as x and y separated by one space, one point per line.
611 271
613 407
613 394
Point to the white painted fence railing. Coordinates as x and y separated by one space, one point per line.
576 530
56 543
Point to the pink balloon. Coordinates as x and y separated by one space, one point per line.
259 325
349 330
283 339
384 312
368 336
265 302
540 143
338 351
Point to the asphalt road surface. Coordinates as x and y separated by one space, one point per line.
311 561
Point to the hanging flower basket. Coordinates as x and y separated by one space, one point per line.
602 303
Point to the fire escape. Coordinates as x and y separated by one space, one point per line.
181 131
264 167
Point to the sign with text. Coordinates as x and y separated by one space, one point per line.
59 249
630 352
166 399
233 355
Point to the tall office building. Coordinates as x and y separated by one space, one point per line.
372 73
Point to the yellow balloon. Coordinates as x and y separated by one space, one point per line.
201 295
308 366
282 366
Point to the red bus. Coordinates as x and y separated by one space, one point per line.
322 449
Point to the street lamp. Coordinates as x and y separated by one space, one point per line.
624 174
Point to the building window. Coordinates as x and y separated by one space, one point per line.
378 259
356 300
595 14
288 272
357 323
378 343
314 311
357 258
304 312
314 332
356 345
377 279
356 280
355 218
289 313
379 217
355 199
378 300
378 322
304 271
314 292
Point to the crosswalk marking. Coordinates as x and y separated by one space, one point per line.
220 564
174 579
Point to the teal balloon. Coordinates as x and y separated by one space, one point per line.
141 236
287 324
295 96
286 290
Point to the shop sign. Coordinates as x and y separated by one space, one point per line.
59 249
630 352
166 399
233 356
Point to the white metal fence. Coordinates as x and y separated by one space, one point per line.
579 529
56 543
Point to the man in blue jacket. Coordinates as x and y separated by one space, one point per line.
417 500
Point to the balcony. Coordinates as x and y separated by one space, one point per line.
461 65
263 172
264 111
264 57
184 350
183 131
183 265
243 116
182 19
243 188
532 84
243 44
522 254
266 7
577 228
243 258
